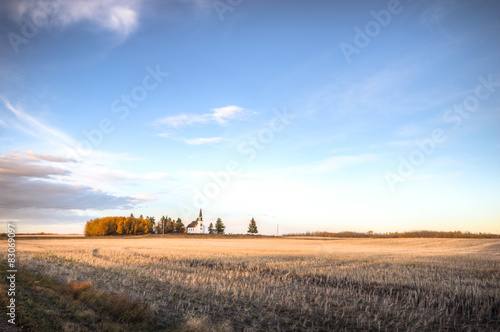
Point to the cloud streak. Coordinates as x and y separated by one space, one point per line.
28 124
15 166
119 16
20 193
201 141
18 119
219 116
26 183
41 157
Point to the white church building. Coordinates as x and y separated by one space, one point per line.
196 227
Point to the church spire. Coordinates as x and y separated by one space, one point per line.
201 216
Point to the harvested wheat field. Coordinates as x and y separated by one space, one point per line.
277 284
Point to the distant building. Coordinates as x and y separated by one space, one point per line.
196 227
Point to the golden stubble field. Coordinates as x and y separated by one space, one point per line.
262 283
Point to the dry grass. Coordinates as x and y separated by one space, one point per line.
45 305
255 284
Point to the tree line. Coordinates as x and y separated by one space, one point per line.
168 225
409 234
219 227
133 226
140 226
119 226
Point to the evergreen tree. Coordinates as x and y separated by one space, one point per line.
162 221
179 226
158 228
219 226
152 224
211 229
252 227
169 225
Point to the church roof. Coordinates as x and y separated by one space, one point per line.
196 222
193 224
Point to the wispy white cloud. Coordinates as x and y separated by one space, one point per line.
182 120
36 128
192 141
42 181
20 120
223 114
364 95
202 140
220 116
436 14
39 157
119 16
389 91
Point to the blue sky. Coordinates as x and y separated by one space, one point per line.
330 115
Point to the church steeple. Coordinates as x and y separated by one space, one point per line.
200 218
